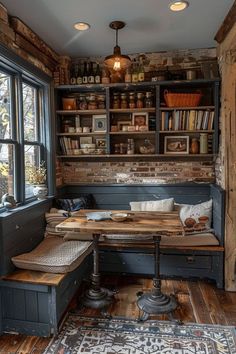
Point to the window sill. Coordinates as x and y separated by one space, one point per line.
24 207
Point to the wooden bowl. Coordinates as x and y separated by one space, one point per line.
118 217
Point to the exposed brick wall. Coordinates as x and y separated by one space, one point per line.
137 172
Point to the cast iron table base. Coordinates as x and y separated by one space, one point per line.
155 302
97 297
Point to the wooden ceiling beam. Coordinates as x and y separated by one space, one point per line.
227 24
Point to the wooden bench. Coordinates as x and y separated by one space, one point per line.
32 303
186 262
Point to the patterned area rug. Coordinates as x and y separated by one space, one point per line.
102 336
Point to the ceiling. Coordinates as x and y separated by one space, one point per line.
150 25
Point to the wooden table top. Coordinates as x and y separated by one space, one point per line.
162 223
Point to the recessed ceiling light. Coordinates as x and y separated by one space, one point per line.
82 26
178 5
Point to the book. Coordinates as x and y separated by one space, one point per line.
192 118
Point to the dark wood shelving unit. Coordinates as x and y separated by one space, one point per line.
210 102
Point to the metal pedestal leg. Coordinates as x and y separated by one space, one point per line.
155 302
97 297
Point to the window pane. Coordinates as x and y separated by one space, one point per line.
6 169
29 111
32 158
5 106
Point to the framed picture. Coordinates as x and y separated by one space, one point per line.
176 145
99 123
101 143
123 125
85 140
140 119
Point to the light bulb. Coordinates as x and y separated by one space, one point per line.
116 65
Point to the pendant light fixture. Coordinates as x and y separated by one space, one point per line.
117 61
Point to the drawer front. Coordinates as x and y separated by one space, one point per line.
143 263
126 262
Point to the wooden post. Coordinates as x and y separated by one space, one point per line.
226 36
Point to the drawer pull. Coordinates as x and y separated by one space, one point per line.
190 259
17 227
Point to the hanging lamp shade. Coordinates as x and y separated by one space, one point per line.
117 61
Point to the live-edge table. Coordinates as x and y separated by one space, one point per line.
146 223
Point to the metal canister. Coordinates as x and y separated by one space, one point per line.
203 143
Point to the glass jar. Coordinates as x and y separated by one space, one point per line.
83 102
123 148
124 102
101 101
148 100
132 100
117 149
139 102
92 104
130 147
116 100
105 76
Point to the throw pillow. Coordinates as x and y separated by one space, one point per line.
153 205
75 204
196 218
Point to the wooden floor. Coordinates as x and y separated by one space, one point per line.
199 302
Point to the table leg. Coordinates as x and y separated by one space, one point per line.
97 297
155 302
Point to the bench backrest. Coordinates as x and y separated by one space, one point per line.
119 196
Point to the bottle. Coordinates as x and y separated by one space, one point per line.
141 71
79 78
85 74
72 76
91 79
128 77
135 72
98 75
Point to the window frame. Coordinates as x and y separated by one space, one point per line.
23 72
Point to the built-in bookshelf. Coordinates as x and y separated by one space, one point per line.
106 131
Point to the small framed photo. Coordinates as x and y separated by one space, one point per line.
176 145
99 123
123 125
101 143
140 119
85 140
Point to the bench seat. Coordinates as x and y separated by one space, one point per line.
34 302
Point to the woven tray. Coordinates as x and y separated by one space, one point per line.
182 99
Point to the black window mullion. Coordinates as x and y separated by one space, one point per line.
20 164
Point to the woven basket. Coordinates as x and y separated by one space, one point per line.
182 99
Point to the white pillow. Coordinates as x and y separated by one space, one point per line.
153 205
196 217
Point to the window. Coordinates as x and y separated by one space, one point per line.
23 116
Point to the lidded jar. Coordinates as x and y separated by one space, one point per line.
116 100
139 102
148 99
124 102
132 100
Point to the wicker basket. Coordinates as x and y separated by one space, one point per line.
182 99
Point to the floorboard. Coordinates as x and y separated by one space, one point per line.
198 302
